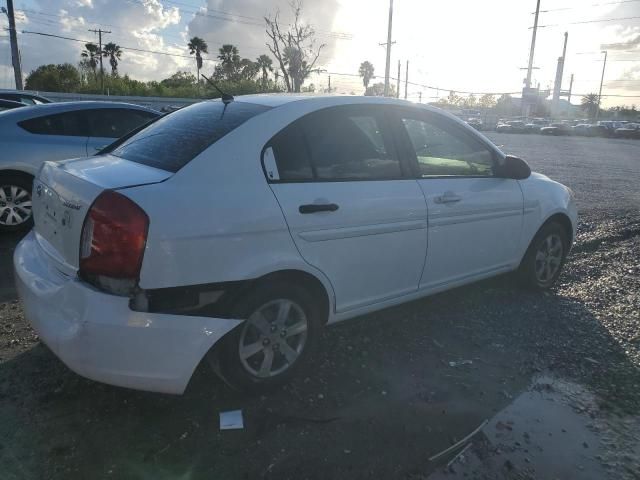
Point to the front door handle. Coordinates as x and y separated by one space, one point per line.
318 207
447 197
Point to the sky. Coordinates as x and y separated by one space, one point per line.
461 45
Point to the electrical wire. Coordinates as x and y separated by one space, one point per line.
588 21
583 6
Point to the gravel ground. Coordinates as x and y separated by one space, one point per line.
381 397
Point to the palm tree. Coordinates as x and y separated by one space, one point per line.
366 71
264 63
230 59
92 54
114 52
198 46
591 104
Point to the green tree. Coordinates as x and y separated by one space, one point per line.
366 71
54 78
590 103
377 90
114 53
179 80
229 61
265 65
197 46
487 101
91 54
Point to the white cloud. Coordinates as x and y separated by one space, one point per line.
69 23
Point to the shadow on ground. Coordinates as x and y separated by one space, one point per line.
378 401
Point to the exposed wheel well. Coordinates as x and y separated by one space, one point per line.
564 221
560 218
308 281
16 173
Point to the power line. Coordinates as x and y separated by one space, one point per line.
588 21
582 6
133 49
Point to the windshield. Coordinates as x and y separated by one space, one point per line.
176 139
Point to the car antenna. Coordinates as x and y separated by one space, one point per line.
226 97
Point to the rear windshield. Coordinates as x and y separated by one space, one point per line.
173 141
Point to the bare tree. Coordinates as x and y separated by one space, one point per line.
294 48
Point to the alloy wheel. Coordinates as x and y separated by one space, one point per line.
272 338
15 205
548 258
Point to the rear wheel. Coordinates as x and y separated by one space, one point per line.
282 328
15 203
545 258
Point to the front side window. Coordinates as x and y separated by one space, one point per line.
174 140
70 124
443 150
336 144
115 122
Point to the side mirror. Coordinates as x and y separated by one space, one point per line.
514 168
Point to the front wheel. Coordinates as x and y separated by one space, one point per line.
15 203
545 257
282 327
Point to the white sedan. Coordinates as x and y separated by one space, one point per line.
235 231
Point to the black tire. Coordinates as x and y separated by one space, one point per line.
226 359
531 266
24 182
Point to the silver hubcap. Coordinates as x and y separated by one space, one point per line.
15 205
273 338
549 258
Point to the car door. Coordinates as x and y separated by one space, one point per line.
352 209
106 125
55 137
475 218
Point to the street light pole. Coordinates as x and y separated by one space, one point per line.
604 65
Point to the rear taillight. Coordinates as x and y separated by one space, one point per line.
113 240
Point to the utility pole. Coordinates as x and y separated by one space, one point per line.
406 80
557 85
604 65
387 70
398 82
533 45
329 83
570 89
420 97
13 39
100 32
526 91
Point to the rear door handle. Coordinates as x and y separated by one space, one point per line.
447 197
317 207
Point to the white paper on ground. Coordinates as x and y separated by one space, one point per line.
231 420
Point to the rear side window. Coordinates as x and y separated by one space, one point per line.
115 122
173 141
337 144
70 124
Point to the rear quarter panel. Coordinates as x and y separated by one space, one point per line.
216 219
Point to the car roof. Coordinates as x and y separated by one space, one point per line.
33 111
279 99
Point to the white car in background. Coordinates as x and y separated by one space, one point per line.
236 231
54 131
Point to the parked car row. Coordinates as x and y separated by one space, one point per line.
606 128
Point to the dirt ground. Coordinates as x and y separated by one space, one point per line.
557 376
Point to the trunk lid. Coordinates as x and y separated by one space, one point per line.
64 191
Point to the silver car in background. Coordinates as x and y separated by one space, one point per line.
56 131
